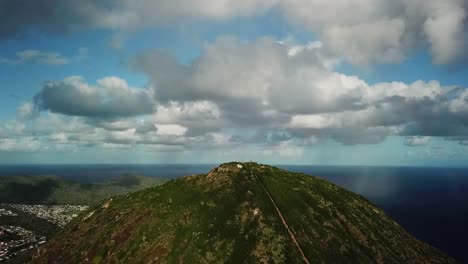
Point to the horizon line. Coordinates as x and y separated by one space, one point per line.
216 164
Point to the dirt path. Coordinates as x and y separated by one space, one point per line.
284 221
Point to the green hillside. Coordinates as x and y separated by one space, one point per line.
55 190
253 214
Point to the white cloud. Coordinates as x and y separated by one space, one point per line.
112 98
445 30
417 141
59 132
295 49
170 130
60 138
284 149
361 31
126 136
460 103
259 85
27 111
44 57
25 144
202 111
238 93
368 31
365 43
317 121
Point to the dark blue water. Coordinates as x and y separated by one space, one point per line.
101 173
430 203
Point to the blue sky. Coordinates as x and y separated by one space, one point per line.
273 81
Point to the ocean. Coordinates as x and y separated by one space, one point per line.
430 203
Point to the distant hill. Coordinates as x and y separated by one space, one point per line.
238 213
55 190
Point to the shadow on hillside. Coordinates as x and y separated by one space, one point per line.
128 181
29 193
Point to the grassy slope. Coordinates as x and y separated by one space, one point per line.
212 219
54 190
190 220
333 225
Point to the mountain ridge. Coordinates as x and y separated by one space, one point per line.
238 213
24 189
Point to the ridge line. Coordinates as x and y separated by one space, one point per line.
283 220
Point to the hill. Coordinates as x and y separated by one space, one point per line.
56 190
237 213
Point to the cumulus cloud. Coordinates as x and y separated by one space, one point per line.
111 98
25 144
199 116
367 42
275 95
27 111
170 130
367 31
67 15
59 132
445 30
37 56
362 32
187 112
261 85
43 57
255 77
417 141
284 149
51 16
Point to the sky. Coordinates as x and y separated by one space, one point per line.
367 82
